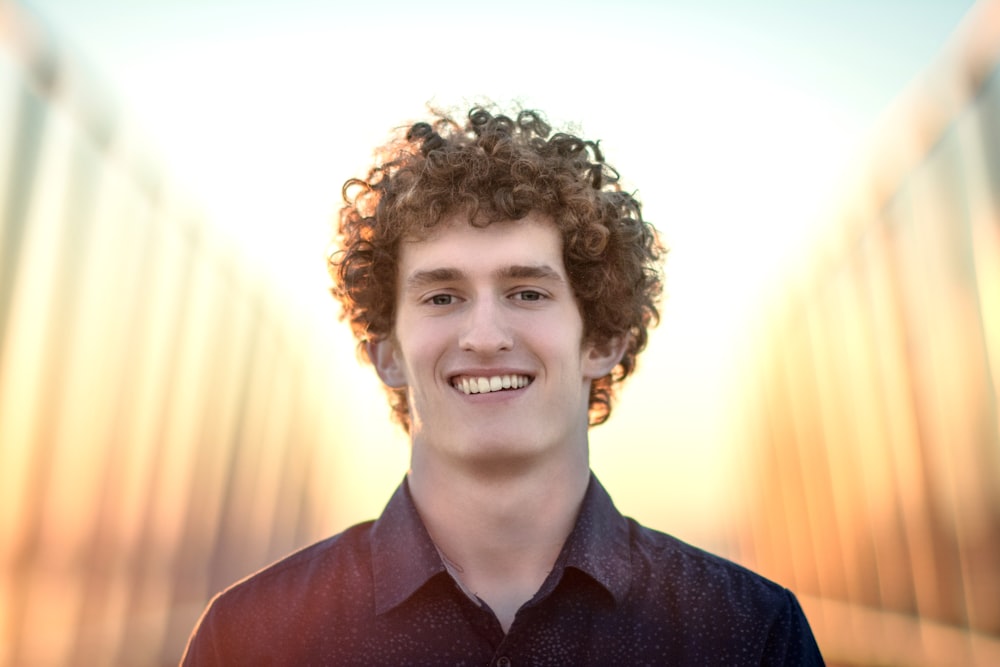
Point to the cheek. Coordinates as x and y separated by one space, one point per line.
424 346
564 355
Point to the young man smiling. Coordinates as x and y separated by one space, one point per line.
501 283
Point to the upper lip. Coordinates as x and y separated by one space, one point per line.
487 372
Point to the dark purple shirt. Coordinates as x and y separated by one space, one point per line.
619 594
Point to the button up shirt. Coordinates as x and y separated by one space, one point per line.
618 594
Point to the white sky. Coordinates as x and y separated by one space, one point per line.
735 120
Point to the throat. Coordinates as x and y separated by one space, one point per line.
500 536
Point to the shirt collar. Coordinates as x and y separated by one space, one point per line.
404 558
599 545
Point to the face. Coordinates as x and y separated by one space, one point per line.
488 342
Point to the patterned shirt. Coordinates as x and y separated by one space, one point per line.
619 594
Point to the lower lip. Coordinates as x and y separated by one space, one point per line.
495 395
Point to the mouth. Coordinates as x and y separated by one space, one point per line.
469 384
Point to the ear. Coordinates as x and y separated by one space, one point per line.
599 360
385 358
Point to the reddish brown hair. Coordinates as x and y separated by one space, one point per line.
497 168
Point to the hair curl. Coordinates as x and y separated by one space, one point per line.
500 168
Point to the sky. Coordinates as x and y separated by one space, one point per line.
735 122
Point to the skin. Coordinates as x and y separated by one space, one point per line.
497 477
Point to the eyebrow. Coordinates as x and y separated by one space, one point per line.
421 279
536 271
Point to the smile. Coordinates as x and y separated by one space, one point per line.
485 385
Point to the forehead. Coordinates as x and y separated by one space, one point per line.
456 244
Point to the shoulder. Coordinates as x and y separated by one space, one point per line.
342 554
309 589
659 556
718 602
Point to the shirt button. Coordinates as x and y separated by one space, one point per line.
503 662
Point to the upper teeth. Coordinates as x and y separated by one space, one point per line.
484 385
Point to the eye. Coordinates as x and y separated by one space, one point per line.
529 295
441 300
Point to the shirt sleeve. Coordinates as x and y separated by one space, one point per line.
791 641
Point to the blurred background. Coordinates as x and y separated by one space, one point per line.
179 405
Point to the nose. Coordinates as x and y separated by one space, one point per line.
485 329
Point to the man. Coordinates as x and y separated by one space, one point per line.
501 284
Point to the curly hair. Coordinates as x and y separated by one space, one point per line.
500 168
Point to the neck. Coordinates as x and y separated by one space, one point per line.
500 532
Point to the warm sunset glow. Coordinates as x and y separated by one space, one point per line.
179 404
777 160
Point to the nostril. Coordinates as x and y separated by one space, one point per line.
486 334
